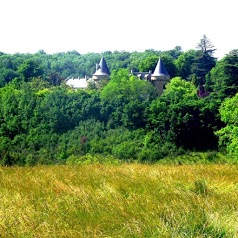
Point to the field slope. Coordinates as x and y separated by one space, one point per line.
119 201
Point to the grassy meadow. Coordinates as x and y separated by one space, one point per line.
129 200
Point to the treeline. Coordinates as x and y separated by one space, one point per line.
43 121
54 68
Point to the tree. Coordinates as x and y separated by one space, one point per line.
7 75
184 62
126 99
30 69
228 136
179 89
205 46
176 52
149 63
204 62
178 117
54 79
223 79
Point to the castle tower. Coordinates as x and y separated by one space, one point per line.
102 71
160 77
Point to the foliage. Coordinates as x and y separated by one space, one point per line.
205 158
148 64
42 121
126 98
204 62
179 116
228 136
93 159
30 69
223 79
184 63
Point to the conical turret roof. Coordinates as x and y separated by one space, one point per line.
102 68
160 69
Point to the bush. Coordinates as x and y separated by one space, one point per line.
91 159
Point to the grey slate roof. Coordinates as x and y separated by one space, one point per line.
142 75
102 68
160 70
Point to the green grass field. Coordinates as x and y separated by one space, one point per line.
129 200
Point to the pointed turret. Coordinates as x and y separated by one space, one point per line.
160 70
160 77
102 71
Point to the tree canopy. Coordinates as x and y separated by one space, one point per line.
43 121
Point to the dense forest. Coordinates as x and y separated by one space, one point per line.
43 121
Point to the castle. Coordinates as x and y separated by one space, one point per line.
159 78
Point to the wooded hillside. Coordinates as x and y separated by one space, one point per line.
44 121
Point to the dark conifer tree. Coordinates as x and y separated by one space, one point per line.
204 62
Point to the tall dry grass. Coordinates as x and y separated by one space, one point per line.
119 201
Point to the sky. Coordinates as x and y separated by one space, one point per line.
27 26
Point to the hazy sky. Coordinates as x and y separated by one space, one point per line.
101 25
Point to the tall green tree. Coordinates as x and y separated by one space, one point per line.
184 62
30 69
228 136
204 62
223 79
